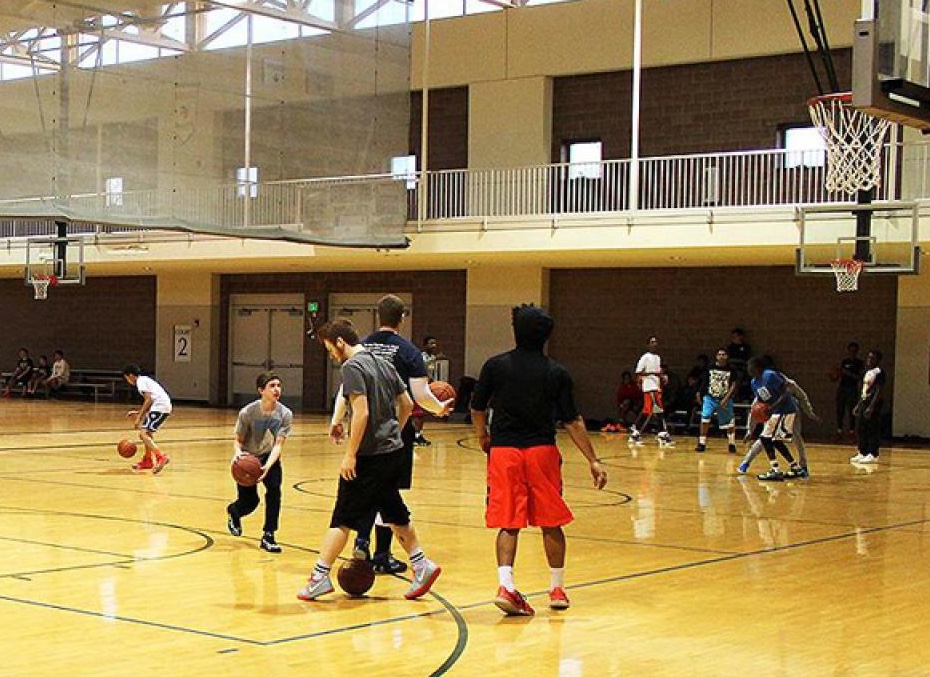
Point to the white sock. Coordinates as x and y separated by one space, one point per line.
505 578
731 436
702 439
557 578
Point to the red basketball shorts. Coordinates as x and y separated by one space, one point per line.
525 488
652 402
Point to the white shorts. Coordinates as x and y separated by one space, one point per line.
779 426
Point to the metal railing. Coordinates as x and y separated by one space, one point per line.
370 203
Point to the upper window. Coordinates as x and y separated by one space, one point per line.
584 158
805 147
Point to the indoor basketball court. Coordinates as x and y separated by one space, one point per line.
267 182
679 566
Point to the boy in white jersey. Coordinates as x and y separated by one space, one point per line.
156 407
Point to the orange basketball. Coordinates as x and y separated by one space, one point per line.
356 577
442 390
761 412
835 374
246 470
126 448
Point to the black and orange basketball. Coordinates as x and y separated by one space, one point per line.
761 412
126 448
356 576
442 390
246 470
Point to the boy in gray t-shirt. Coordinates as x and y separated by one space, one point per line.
261 429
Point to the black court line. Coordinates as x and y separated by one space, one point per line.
122 558
462 628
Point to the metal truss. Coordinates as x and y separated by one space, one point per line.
71 31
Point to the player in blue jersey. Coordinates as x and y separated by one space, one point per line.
770 387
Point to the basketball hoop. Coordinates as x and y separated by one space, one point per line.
40 285
854 141
847 273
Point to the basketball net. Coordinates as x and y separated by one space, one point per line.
847 273
40 285
854 141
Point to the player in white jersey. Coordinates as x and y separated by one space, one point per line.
649 373
156 407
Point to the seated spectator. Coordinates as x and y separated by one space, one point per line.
40 373
21 375
61 373
629 399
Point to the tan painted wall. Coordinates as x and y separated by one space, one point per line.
187 298
488 303
509 123
597 35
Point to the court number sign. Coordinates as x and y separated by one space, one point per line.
182 343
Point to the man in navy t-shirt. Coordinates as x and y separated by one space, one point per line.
388 344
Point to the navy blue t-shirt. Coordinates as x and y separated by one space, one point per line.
528 392
406 357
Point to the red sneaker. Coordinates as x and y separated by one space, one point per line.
558 599
144 464
512 603
160 464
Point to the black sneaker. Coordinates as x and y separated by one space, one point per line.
797 473
360 550
772 476
731 448
700 448
386 564
233 524
268 543
421 441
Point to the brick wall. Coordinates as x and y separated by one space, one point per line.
603 318
439 309
693 108
106 324
448 127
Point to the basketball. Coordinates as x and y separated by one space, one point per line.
761 412
442 390
126 448
246 470
356 577
834 374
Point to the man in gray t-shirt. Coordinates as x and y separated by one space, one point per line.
373 461
261 429
378 381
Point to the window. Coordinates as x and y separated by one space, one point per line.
584 158
404 168
247 182
805 147
114 191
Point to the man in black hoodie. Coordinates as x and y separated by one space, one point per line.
528 393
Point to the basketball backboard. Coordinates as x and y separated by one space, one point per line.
891 61
58 257
886 242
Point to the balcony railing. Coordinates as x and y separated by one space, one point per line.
360 206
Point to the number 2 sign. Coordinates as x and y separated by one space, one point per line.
182 343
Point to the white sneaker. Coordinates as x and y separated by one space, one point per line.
868 458
857 458
665 440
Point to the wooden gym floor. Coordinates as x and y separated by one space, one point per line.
680 567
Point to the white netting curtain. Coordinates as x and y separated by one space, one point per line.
211 134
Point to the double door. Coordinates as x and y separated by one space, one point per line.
267 333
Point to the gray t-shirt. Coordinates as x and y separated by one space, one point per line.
378 380
259 430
